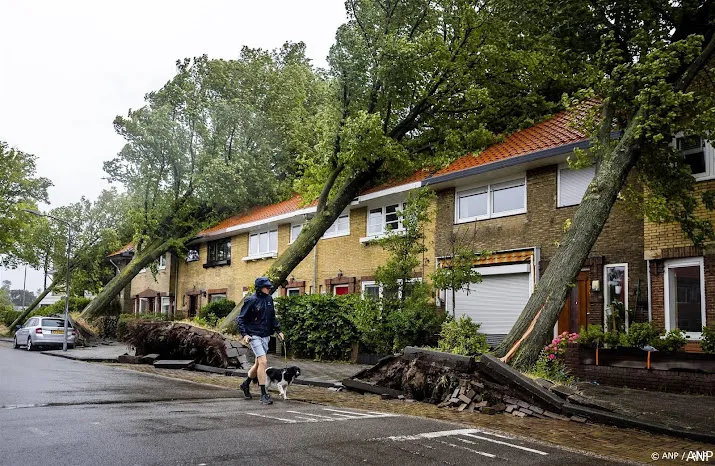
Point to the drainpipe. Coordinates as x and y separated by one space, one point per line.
315 268
650 308
175 258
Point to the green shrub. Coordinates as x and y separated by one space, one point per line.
707 341
372 325
76 304
591 335
674 340
318 326
614 339
107 326
219 309
642 334
462 337
8 316
414 323
550 369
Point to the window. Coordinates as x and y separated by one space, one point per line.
340 290
693 150
55 323
295 231
263 244
219 252
383 219
572 184
165 304
162 262
685 296
144 306
341 227
616 298
293 292
371 290
217 297
494 200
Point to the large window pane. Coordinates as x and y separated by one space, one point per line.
694 153
295 231
374 222
392 219
685 298
507 197
473 204
263 243
273 241
343 224
253 246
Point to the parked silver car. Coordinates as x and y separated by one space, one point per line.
44 331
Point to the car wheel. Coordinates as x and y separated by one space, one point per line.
15 344
29 344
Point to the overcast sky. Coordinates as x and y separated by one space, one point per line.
69 67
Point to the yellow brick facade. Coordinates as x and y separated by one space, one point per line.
343 256
658 237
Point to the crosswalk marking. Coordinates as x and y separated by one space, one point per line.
461 447
330 415
290 421
539 452
430 435
325 418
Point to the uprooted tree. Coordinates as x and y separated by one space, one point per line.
651 65
416 83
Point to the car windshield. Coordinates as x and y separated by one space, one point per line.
54 323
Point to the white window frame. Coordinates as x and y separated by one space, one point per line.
370 283
337 233
519 181
370 236
674 264
293 226
709 154
607 299
262 254
335 287
162 262
165 304
565 166
289 290
146 308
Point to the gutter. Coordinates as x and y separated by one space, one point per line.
509 162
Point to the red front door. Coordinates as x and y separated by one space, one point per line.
574 315
340 289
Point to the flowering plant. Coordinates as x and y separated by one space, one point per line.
557 347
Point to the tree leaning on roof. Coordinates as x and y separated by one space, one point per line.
416 84
652 65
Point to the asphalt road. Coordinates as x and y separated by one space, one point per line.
56 411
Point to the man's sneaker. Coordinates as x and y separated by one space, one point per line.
266 399
245 388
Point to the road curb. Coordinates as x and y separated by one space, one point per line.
78 358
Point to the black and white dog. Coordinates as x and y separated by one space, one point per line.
281 378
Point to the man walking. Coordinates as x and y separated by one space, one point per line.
257 322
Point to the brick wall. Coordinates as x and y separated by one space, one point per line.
543 225
669 381
669 235
339 260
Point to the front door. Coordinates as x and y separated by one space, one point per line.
193 300
574 315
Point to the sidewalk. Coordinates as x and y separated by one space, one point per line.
687 412
311 372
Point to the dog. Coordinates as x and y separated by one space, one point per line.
282 378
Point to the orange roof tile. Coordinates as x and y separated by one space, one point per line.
258 213
554 132
129 247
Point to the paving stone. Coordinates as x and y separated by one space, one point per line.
471 394
477 385
444 404
462 407
555 416
518 414
536 409
528 412
150 358
539 416
472 406
455 393
400 397
563 390
523 404
578 419
510 400
481 404
465 399
129 359
454 400
511 408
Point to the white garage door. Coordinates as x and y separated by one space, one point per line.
496 303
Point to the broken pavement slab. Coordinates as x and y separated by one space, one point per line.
174 364
455 361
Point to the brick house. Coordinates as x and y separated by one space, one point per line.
514 199
681 276
148 293
225 259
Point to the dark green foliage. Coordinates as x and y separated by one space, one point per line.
75 305
107 325
215 311
125 319
708 339
591 335
318 326
642 334
673 341
8 316
461 336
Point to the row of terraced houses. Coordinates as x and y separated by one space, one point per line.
514 198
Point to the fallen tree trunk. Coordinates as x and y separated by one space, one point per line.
35 303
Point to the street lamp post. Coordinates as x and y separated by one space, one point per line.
67 282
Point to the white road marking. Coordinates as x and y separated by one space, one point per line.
488 455
539 452
290 421
350 413
324 418
38 431
429 435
